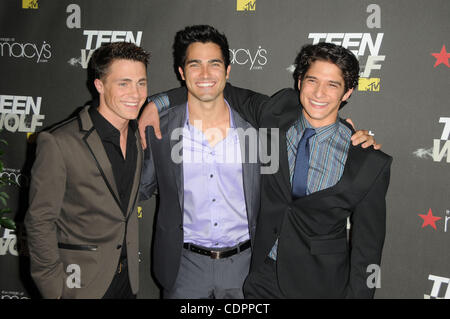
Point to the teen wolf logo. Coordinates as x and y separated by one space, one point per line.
20 113
95 38
365 46
436 291
441 147
8 242
246 5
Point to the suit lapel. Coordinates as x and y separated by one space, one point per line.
285 121
95 145
353 164
248 168
177 118
137 174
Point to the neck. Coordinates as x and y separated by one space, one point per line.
319 123
119 123
211 114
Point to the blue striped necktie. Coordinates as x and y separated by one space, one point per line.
300 178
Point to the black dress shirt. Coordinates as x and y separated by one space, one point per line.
123 168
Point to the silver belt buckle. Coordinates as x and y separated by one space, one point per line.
215 255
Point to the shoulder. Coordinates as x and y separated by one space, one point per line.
287 96
176 113
374 158
60 130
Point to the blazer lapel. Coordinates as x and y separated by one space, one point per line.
288 110
249 169
283 178
95 145
355 160
177 118
137 174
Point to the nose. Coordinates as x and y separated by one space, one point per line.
204 71
319 91
134 91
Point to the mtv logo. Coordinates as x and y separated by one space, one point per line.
246 5
29 4
369 84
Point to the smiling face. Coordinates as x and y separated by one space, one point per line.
204 72
122 91
322 90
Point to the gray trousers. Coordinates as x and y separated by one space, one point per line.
201 277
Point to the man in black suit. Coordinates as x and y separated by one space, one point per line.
302 249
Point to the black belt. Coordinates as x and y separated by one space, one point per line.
215 254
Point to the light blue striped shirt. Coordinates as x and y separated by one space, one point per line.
328 154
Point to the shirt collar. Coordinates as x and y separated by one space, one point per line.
322 133
186 123
106 130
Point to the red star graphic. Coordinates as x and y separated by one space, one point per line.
429 219
441 57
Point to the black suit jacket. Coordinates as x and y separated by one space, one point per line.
161 171
315 259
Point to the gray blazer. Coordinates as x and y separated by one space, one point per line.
159 170
74 217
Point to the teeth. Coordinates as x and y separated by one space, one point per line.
130 104
205 84
318 104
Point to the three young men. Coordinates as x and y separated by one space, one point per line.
208 206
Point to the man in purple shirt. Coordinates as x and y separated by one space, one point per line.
209 195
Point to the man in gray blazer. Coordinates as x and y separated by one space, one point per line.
82 222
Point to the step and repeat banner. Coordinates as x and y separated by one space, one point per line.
403 96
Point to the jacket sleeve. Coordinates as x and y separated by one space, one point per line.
367 237
148 178
47 190
247 103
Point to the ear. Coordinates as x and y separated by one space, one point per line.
228 72
347 95
299 83
180 69
99 86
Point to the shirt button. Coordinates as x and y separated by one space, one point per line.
214 200
215 224
211 175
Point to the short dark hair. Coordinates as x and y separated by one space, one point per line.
103 57
338 55
198 33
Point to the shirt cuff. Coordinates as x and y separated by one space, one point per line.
161 101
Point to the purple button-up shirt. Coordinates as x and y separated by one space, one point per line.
215 213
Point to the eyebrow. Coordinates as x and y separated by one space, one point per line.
199 61
129 80
331 81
